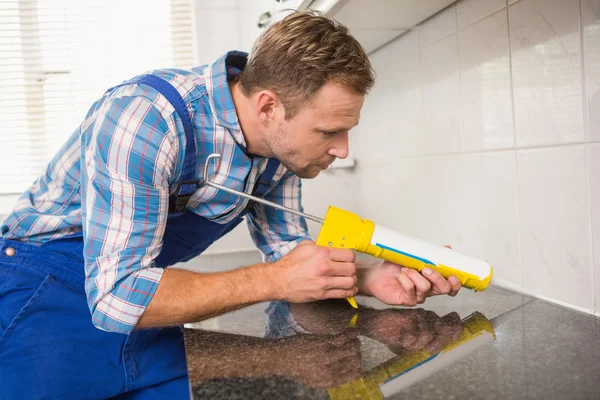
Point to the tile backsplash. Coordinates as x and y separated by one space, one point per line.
481 132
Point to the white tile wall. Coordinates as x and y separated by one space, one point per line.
469 11
398 92
485 84
438 26
506 169
555 214
590 15
545 42
489 220
395 202
594 163
440 83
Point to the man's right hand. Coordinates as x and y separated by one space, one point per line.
310 272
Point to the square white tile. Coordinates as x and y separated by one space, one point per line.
442 201
489 220
590 14
392 118
376 190
441 97
394 194
546 70
594 161
367 139
440 25
485 84
554 224
397 65
469 11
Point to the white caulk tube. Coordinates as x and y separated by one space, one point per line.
344 229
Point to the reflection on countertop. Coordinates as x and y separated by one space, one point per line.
495 344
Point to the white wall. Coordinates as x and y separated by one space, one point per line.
481 132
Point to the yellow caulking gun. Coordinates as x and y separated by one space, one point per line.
343 229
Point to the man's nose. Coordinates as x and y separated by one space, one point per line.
340 148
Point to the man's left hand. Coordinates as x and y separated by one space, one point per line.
396 285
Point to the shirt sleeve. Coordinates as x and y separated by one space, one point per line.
128 163
276 232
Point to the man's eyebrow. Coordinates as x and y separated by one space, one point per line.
336 129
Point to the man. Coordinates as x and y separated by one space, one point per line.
87 307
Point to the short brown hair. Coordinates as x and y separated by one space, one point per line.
296 56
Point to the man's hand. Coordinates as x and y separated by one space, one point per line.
396 285
311 272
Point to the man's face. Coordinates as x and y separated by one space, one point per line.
318 134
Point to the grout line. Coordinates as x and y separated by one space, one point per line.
586 135
516 158
422 84
590 227
460 81
584 105
508 285
566 305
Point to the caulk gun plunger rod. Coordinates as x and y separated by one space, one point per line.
250 197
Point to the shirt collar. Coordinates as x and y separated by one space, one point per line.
225 69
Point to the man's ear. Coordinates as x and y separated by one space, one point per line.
267 106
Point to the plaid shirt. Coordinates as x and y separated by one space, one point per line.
112 178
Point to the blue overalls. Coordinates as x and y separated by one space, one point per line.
48 345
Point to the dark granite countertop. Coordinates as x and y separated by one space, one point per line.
491 345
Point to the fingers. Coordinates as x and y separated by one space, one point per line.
417 286
340 282
342 255
439 284
408 295
455 284
340 269
422 284
340 293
